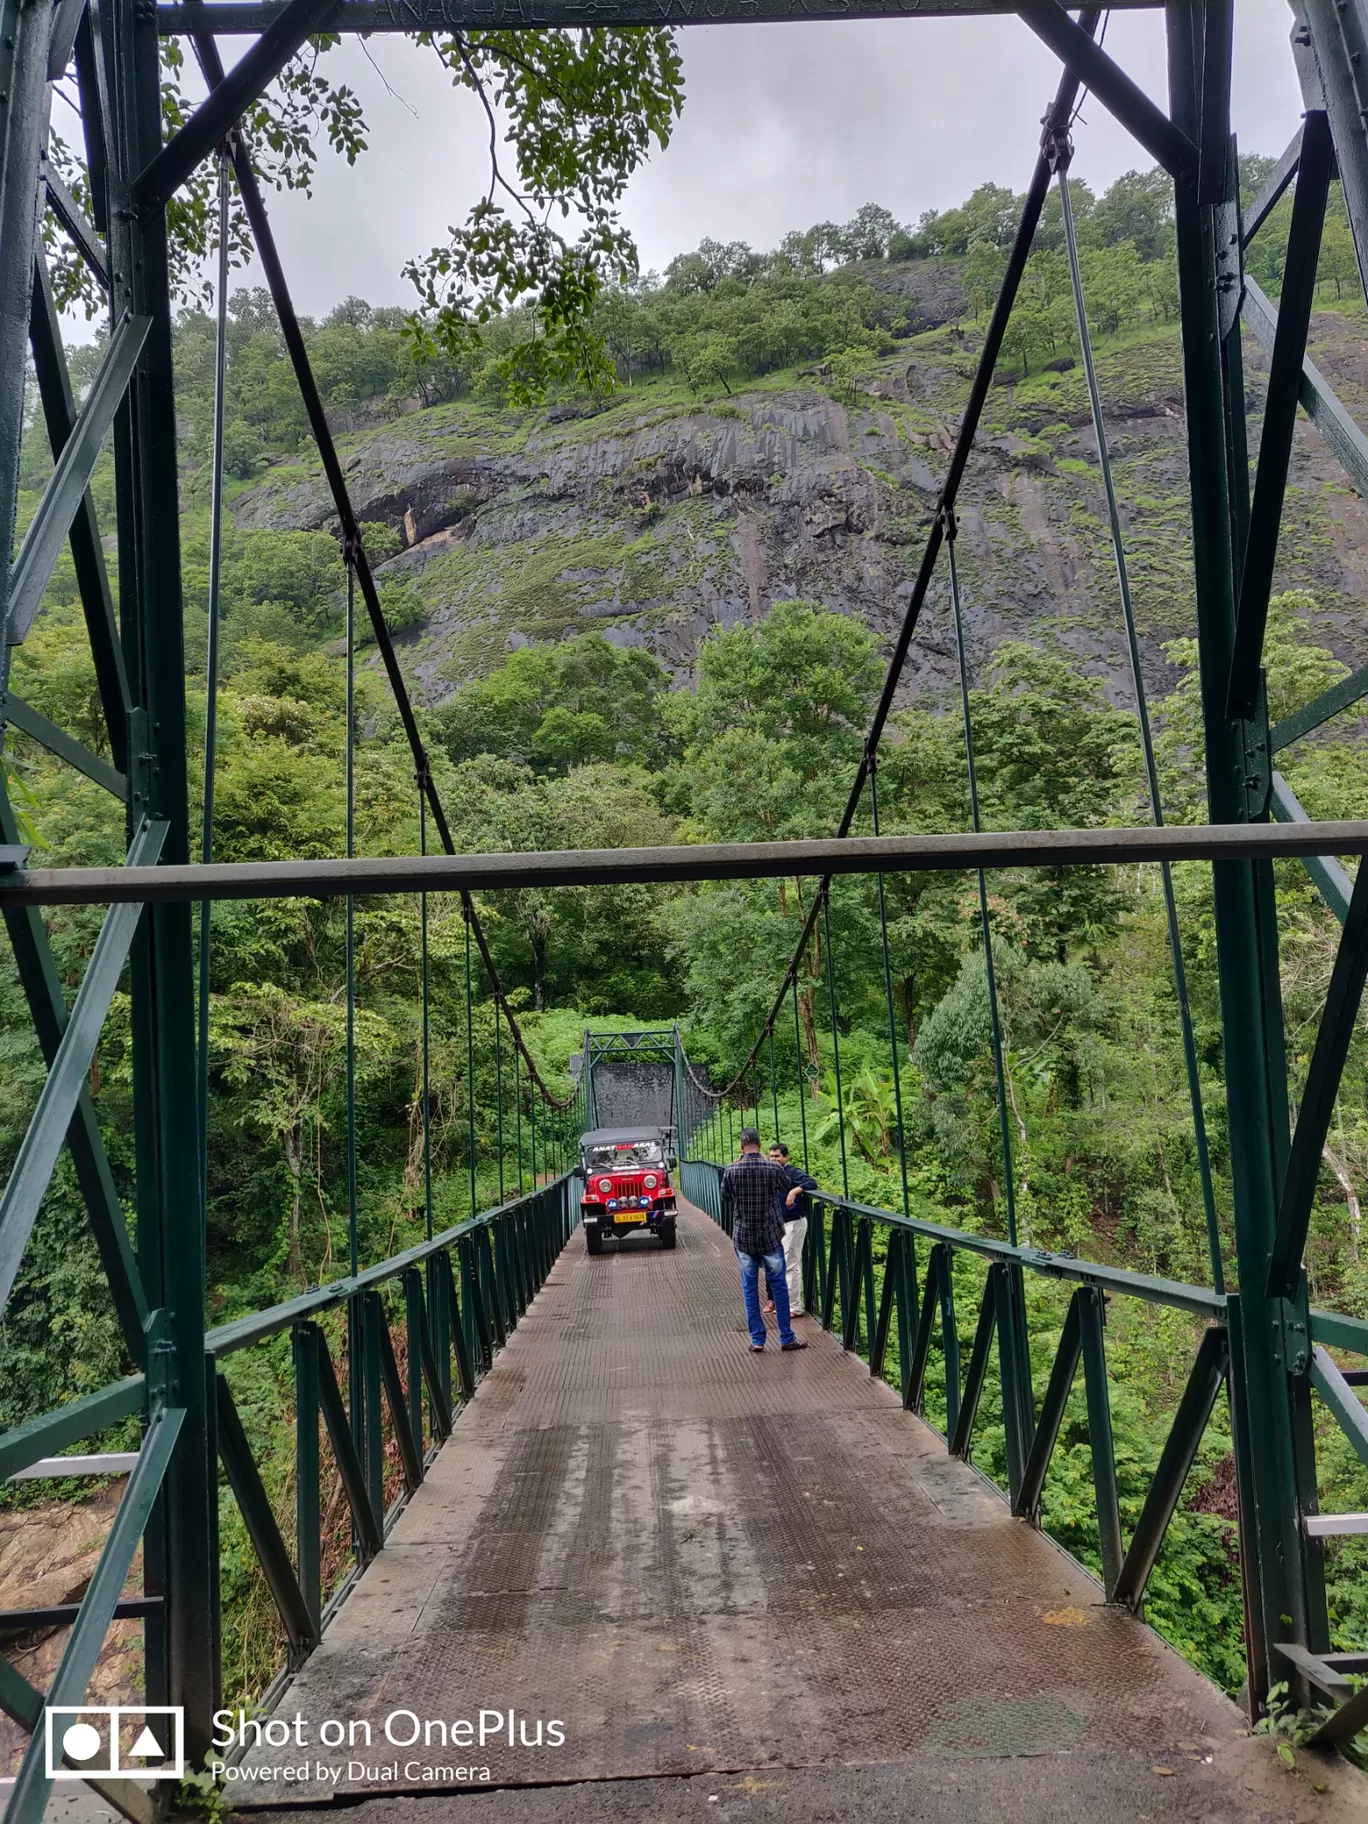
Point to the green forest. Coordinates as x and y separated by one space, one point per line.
724 314
585 743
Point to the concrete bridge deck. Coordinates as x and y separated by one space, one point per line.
744 1587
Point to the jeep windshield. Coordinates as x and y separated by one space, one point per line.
625 1156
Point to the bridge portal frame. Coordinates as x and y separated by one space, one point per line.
139 660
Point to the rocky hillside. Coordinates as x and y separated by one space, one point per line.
660 514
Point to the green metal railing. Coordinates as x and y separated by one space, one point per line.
464 1292
849 1295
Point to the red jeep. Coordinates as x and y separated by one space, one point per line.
626 1184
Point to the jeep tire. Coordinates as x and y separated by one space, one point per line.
593 1240
667 1234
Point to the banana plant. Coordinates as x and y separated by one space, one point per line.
869 1112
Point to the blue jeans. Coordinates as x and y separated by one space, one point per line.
776 1283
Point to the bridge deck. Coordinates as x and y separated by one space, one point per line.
755 1569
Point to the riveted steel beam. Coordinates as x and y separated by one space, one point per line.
92 75
87 553
29 1797
244 1478
1340 1332
24 42
1333 883
1213 138
1280 411
1175 1462
66 18
1121 96
1328 1380
65 493
1336 1029
1315 394
31 722
1092 1312
83 236
1335 77
1245 912
1272 188
1320 709
43 991
1062 1373
232 18
57 1102
410 1443
367 1523
243 85
121 91
70 1424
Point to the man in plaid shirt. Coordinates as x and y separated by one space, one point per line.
757 1191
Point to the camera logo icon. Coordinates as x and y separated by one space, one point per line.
115 1741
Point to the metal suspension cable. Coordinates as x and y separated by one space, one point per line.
798 1060
888 996
1055 125
211 659
517 1119
352 1251
681 1106
470 1064
498 1092
249 188
427 1029
1146 734
355 1337
995 1022
835 1042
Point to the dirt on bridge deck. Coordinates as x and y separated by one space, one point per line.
740 1587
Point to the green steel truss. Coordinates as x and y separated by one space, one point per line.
226 16
462 1291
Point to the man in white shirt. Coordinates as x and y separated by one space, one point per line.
795 1224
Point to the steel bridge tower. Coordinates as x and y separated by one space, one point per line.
158 1284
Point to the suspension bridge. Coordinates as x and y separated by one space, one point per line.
677 1576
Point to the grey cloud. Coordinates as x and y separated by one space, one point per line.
783 126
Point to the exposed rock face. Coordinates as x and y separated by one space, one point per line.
654 519
48 1555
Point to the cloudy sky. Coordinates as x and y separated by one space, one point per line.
783 126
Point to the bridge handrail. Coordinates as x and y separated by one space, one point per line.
481 1276
1335 1328
839 1283
1201 1301
843 1275
1154 1290
1340 1331
240 1332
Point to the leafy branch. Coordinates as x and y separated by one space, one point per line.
582 110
